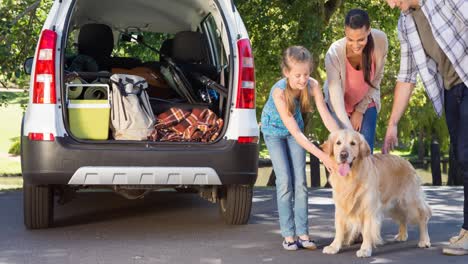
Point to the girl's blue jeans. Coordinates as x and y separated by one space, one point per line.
288 160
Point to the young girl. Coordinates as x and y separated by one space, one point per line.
355 66
282 127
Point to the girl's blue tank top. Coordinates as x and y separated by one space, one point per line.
271 121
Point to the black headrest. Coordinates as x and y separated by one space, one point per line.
166 47
189 46
95 40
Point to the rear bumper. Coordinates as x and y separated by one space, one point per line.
55 162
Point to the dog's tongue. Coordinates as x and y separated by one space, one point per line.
343 169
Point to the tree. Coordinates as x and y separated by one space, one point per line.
20 25
274 25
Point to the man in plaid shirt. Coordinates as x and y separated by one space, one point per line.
434 44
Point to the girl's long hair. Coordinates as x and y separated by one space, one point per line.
296 54
356 19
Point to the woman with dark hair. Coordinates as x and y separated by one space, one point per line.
355 66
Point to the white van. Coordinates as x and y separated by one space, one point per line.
207 44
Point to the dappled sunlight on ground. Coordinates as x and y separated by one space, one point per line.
169 227
446 204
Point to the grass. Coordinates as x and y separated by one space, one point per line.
10 118
9 167
11 183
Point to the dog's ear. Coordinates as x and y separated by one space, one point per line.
364 148
327 146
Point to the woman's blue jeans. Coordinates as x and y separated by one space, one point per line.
369 122
368 125
288 160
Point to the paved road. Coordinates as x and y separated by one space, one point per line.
169 227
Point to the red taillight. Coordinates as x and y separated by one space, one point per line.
246 140
246 84
44 74
41 136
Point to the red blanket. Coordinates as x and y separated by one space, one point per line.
200 125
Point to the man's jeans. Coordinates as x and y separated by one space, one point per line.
369 122
456 114
288 160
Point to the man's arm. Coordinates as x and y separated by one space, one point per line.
401 99
459 9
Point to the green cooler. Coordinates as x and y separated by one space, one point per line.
89 119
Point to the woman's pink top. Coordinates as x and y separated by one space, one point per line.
356 88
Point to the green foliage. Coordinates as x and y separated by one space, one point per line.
10 118
273 25
20 24
20 98
15 147
136 50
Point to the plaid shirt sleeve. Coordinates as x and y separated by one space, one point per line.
460 10
408 69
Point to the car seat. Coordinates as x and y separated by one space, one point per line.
189 51
97 42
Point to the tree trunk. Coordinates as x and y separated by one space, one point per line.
421 146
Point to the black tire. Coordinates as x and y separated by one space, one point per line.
235 203
38 206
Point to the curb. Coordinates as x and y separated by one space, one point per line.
13 90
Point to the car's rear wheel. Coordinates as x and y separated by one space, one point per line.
235 203
38 205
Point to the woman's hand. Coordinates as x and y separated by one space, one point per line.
356 120
330 164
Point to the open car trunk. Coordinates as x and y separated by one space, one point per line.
177 47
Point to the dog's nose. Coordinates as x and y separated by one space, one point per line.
344 155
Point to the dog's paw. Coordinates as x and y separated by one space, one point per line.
330 250
424 244
401 237
364 253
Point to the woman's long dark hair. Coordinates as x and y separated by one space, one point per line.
356 19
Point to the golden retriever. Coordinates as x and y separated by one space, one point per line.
367 187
